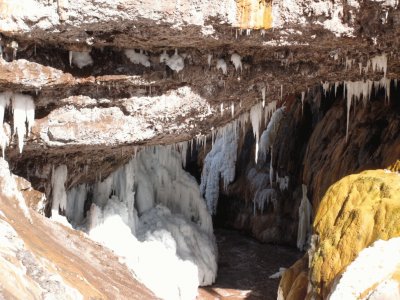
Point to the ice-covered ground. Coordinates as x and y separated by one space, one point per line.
150 213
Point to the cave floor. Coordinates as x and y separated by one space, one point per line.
244 267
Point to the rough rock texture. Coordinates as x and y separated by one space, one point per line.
94 105
354 213
275 53
294 282
310 149
41 259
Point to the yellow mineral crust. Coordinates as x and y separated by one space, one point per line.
356 211
255 14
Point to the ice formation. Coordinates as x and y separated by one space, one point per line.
4 102
151 213
175 62
282 182
372 274
137 58
263 96
209 58
23 111
325 87
237 61
164 57
80 59
303 95
358 90
379 63
262 198
59 196
278 274
305 217
269 134
219 163
221 65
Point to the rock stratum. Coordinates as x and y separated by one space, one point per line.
306 93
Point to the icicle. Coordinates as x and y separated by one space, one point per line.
263 96
282 182
4 102
80 59
336 86
271 168
281 92
269 110
219 163
58 178
164 57
349 63
237 61
221 64
209 58
379 63
269 135
232 109
23 110
222 109
70 54
305 217
303 94
175 62
137 58
255 118
325 87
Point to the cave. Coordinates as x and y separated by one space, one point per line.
199 149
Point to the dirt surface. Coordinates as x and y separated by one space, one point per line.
245 266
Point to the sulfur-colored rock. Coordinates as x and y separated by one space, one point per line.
356 211
294 281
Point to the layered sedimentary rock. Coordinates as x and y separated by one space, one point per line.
99 81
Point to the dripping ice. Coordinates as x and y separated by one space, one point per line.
305 217
165 233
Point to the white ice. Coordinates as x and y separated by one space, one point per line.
305 217
4 102
137 58
59 196
220 162
151 213
221 65
269 135
175 62
80 59
236 59
23 111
